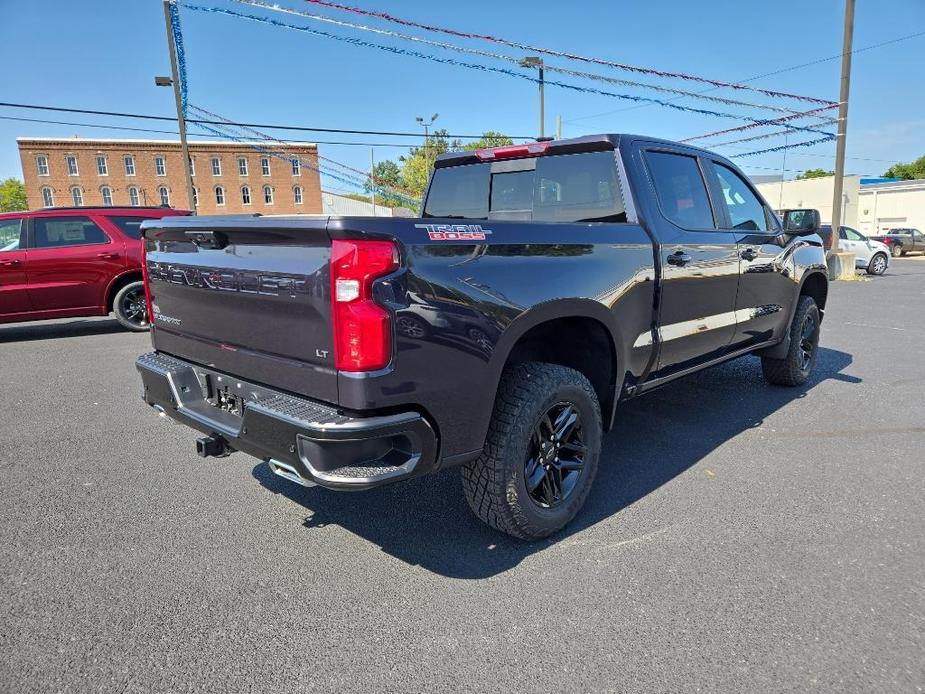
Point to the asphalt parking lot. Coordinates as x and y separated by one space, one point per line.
740 538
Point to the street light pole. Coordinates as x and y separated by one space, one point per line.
181 121
427 125
842 123
537 62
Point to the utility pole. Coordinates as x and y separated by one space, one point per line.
558 127
537 62
842 123
181 121
372 177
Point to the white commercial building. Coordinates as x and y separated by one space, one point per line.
884 206
341 205
815 193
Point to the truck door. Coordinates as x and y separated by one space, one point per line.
766 289
14 297
699 261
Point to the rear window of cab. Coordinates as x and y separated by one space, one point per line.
556 188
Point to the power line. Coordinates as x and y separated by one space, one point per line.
298 128
174 132
766 74
490 68
506 58
561 54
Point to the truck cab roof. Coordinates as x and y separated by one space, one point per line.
586 143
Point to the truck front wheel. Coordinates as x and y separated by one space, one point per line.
541 453
795 368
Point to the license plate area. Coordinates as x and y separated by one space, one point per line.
225 394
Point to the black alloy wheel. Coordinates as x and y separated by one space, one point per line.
809 340
555 458
131 308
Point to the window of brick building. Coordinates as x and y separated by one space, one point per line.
160 166
297 195
246 195
106 192
48 198
268 195
133 197
129 162
72 165
216 166
242 166
102 169
265 166
296 167
219 196
165 195
41 163
195 197
77 195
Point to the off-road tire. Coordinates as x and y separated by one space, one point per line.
791 370
130 293
494 484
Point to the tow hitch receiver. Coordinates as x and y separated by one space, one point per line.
213 447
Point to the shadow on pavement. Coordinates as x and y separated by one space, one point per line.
427 522
52 331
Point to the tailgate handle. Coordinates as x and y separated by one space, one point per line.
207 239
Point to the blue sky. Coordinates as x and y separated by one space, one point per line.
103 55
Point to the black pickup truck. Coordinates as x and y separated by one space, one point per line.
543 284
902 241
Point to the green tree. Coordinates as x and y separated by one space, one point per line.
412 171
907 172
814 173
13 195
490 138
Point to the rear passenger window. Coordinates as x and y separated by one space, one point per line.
57 232
682 194
10 231
745 210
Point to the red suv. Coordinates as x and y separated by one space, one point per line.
79 261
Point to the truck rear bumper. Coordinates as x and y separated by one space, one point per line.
302 440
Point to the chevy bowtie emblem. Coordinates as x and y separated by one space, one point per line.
454 232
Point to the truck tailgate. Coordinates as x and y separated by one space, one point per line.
245 298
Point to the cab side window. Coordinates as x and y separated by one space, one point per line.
11 235
59 232
745 209
681 191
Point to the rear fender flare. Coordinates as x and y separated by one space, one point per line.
550 311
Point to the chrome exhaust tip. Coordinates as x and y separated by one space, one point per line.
288 472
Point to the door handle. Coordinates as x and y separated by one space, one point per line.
10 263
679 258
749 254
108 256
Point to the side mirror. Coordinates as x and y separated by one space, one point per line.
802 221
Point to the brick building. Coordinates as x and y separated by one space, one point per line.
228 178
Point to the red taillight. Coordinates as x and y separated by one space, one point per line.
362 328
147 281
531 149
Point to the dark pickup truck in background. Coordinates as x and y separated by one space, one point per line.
543 284
902 241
